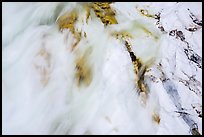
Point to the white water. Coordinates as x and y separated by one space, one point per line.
109 105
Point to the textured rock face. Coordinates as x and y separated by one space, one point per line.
102 68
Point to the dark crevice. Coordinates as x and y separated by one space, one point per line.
191 55
158 23
195 19
173 93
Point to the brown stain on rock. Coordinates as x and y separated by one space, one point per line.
144 12
44 70
88 12
149 33
141 83
139 67
156 117
104 12
122 35
44 77
68 21
140 70
83 73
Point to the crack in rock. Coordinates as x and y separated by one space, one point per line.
171 90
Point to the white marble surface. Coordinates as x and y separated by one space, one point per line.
40 92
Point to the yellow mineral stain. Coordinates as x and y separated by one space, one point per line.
88 10
44 76
137 65
44 71
78 38
122 35
138 69
83 73
141 83
145 13
67 21
45 55
149 33
104 12
128 46
156 117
